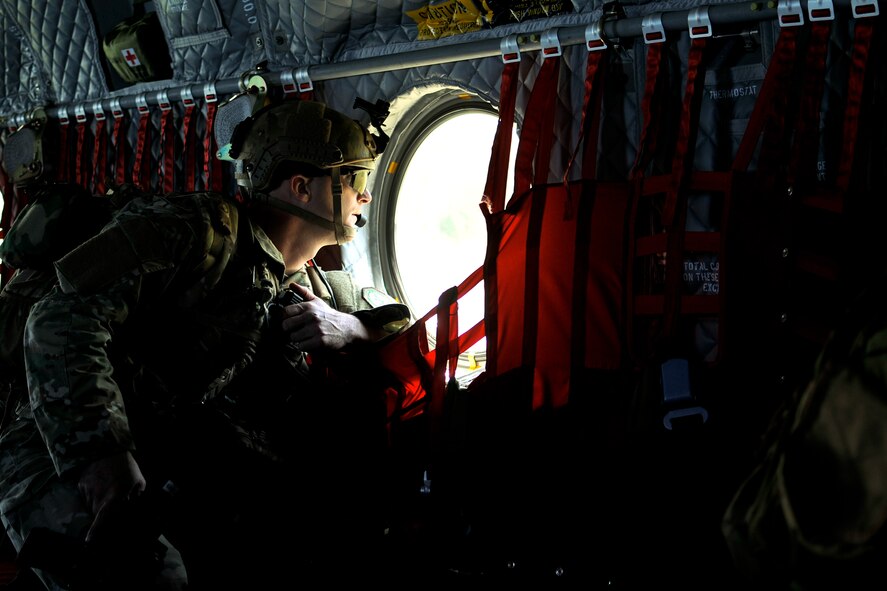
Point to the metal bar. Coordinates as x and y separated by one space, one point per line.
742 12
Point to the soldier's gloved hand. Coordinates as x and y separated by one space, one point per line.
107 485
312 325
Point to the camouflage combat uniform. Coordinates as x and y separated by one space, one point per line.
150 322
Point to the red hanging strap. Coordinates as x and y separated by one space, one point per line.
118 143
99 153
862 39
142 142
494 191
166 164
644 152
767 119
188 141
805 147
494 197
534 154
532 161
675 207
80 118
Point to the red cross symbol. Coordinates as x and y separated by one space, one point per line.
131 58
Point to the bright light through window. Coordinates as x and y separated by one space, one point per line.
440 233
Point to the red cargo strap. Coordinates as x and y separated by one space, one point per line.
647 141
802 161
190 145
767 119
862 38
100 153
80 118
674 214
142 156
119 149
494 190
166 164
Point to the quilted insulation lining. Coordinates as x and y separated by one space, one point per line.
56 46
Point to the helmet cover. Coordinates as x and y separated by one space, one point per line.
299 131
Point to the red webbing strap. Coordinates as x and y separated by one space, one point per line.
140 154
61 173
100 155
636 173
767 119
805 147
476 332
118 147
589 128
584 305
862 38
423 372
494 190
674 214
494 201
531 166
212 168
190 145
78 153
447 327
644 152
537 135
166 164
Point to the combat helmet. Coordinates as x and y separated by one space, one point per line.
260 137
299 131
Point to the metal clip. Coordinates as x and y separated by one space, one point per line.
699 23
509 49
288 82
80 114
551 45
98 112
820 10
652 29
63 116
865 8
209 92
187 97
303 80
142 104
594 37
163 100
116 110
675 375
790 13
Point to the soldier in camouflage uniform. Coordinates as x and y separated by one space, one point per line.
167 393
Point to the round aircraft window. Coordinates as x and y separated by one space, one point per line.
435 234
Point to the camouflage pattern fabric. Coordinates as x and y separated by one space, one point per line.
158 257
151 317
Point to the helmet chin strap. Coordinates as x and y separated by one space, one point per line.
343 233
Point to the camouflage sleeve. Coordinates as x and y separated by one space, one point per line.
77 404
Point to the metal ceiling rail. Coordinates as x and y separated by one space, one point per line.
653 27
